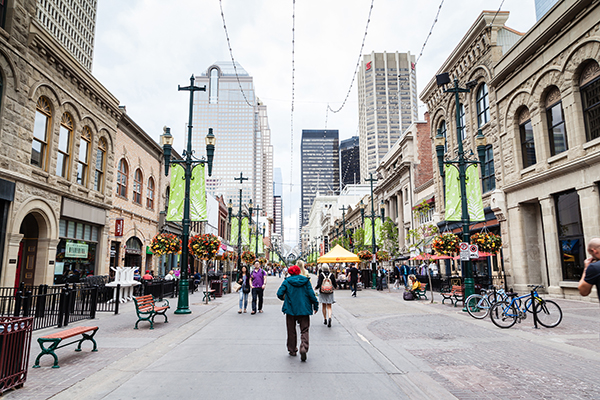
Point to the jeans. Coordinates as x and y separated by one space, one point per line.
353 287
243 299
257 292
292 335
405 278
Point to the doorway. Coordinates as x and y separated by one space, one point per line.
28 251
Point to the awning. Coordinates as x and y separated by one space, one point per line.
338 254
149 250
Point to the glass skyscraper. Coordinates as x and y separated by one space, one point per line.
349 162
320 161
239 121
387 104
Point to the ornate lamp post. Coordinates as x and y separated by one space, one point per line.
462 162
239 218
188 165
344 223
257 209
372 216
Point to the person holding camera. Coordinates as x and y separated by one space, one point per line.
591 270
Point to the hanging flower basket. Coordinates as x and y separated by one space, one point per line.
365 255
488 242
248 257
204 247
230 256
445 244
263 260
382 255
165 243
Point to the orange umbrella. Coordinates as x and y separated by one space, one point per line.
421 257
441 257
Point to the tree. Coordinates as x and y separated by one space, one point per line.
359 239
421 235
389 236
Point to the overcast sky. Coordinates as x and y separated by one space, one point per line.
145 48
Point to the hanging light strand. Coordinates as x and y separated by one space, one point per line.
495 15
430 32
357 63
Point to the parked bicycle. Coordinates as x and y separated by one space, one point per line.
479 305
505 313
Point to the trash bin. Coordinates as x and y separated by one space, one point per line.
217 286
15 343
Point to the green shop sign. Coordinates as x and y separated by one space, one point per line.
76 250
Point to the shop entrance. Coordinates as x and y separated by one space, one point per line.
27 251
133 253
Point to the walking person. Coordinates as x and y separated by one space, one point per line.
353 278
303 270
258 282
404 270
591 270
244 282
299 302
325 285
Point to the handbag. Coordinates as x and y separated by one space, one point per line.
408 296
236 286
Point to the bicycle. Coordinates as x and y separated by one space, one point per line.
505 314
479 305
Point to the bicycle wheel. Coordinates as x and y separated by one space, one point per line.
548 312
503 314
477 306
493 297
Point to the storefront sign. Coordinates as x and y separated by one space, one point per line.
119 227
76 250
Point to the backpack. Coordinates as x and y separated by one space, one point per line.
327 286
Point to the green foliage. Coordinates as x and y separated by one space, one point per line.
390 237
420 236
359 239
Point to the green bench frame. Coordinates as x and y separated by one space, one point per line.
55 340
146 309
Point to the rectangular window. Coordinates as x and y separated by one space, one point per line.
570 234
590 95
62 156
527 144
556 129
2 13
38 146
488 177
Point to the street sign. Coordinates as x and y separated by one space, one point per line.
464 251
473 251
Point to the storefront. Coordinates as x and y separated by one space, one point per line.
76 251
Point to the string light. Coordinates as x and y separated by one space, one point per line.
293 90
430 32
231 54
495 15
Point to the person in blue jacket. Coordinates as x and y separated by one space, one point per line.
299 303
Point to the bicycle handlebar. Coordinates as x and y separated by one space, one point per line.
536 287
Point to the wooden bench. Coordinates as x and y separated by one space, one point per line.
55 340
208 294
454 294
421 293
146 309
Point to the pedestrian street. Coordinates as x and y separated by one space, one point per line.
378 346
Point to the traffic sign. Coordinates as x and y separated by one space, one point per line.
464 251
473 251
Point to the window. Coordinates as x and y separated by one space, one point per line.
2 13
488 177
461 116
100 157
444 133
41 129
214 86
527 141
483 106
150 194
64 146
570 234
137 187
84 150
122 173
590 98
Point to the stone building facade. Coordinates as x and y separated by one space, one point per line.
57 129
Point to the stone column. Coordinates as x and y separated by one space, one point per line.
589 201
518 248
12 257
44 269
553 254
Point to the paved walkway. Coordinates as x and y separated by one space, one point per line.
379 345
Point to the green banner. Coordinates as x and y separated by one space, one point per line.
368 233
197 194
234 231
261 245
245 232
453 203
252 242
474 200
378 232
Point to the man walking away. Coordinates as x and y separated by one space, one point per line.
299 302
258 281
591 270
353 278
404 271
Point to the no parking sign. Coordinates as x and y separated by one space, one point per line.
464 251
473 251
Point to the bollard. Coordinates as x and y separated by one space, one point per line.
94 302
27 304
534 311
62 304
118 299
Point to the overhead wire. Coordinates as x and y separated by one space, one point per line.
430 32
495 15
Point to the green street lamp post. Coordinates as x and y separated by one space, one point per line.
372 216
188 165
239 218
257 209
463 163
344 209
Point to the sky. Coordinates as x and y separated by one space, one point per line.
144 49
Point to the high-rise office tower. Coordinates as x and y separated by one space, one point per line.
349 162
73 24
278 203
320 166
387 104
240 123
542 7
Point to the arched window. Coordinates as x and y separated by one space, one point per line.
527 140
557 130
41 132
84 155
137 186
483 105
444 133
488 175
461 116
589 83
122 173
214 86
150 194
100 163
64 146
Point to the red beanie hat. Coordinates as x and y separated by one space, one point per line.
294 270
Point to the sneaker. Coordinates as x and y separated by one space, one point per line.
302 356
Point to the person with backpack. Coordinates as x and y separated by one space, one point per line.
325 285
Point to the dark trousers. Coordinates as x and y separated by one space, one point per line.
257 292
380 283
292 336
353 287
